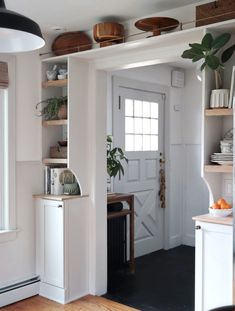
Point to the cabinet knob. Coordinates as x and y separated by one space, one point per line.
197 227
60 206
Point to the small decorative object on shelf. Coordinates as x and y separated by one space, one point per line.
51 74
55 109
71 42
157 25
58 152
60 181
226 145
208 52
108 33
219 98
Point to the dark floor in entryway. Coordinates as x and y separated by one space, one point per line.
163 281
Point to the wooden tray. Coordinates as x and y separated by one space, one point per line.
71 42
157 24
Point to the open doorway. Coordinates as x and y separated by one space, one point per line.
164 237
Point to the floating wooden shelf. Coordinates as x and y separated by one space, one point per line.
219 112
218 168
54 122
55 83
51 161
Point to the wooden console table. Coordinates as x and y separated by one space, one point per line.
129 198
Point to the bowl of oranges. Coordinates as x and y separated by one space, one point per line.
221 208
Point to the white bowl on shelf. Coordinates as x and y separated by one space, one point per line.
220 212
62 77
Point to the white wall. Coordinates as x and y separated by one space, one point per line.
17 258
188 195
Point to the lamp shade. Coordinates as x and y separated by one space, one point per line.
17 32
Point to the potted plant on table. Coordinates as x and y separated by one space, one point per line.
115 156
209 53
55 108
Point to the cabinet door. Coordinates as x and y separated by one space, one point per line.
214 259
53 243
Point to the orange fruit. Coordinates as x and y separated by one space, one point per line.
215 206
225 206
221 201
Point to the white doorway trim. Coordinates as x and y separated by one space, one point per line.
101 62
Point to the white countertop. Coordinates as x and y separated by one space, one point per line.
228 221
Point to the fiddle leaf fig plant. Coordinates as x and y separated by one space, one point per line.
115 156
209 53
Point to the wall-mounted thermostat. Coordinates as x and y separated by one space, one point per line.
177 78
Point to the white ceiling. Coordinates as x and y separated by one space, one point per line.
83 14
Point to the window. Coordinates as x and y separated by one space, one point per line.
141 125
7 146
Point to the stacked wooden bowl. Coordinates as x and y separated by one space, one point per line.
108 33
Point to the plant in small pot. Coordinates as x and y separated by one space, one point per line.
55 108
115 156
211 55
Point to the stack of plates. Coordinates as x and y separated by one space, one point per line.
222 158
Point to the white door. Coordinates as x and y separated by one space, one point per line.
138 129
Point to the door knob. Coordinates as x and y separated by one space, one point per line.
197 227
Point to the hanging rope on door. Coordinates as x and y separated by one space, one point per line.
162 183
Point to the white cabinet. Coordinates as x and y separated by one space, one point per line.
62 248
214 266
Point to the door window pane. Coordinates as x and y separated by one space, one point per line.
154 110
129 125
138 108
138 126
138 145
154 126
154 142
146 126
129 108
129 142
146 109
146 142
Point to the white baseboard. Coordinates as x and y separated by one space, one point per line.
18 294
53 293
58 294
189 240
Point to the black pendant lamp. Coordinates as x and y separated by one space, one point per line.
17 32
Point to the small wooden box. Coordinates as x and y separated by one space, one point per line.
58 152
215 12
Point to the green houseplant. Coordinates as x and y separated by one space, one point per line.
54 108
210 53
115 156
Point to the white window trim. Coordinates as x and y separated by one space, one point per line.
10 225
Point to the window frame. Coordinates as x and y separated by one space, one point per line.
8 209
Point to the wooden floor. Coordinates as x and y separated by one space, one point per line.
88 303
